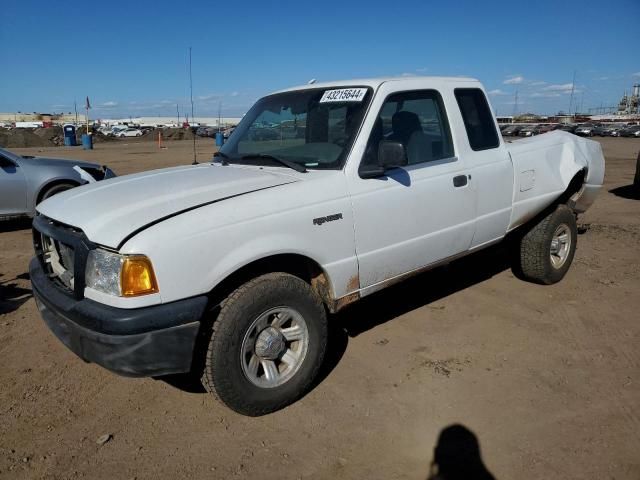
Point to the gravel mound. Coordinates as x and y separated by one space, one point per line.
22 137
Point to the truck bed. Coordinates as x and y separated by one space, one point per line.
543 168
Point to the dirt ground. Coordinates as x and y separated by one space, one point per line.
546 377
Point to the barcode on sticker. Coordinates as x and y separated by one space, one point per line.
344 95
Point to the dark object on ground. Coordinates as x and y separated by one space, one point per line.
457 456
636 179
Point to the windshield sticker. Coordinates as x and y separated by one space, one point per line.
344 95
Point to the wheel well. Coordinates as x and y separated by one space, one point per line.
294 264
575 185
49 185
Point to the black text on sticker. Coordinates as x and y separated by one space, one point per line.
344 95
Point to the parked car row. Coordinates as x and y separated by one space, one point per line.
122 131
211 131
531 130
608 130
583 129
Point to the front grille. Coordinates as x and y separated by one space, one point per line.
62 251
59 261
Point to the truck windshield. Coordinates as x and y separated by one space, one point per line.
314 128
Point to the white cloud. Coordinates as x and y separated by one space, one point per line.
637 74
422 69
211 96
406 74
537 84
109 104
514 80
497 91
235 94
604 78
563 88
545 95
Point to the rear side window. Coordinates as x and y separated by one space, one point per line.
478 119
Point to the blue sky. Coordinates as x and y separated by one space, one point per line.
131 58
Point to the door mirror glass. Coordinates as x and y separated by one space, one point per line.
391 154
5 162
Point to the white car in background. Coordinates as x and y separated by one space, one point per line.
585 130
129 132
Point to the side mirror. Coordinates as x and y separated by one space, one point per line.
391 155
5 162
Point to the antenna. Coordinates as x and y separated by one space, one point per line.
195 161
573 87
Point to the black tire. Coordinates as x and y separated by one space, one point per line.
224 375
54 190
536 263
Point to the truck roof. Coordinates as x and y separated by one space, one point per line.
376 82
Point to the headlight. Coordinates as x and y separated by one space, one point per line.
120 275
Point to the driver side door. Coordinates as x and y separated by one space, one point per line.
13 188
419 214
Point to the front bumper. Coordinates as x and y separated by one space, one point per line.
141 342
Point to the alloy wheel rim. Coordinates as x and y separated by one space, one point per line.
274 347
560 246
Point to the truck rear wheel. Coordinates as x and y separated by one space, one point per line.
547 250
267 345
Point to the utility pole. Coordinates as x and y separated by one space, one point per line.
195 161
515 104
178 113
191 85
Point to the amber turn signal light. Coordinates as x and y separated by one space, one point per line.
137 277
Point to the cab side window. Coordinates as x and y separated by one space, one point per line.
417 120
478 119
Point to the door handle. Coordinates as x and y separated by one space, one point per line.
459 181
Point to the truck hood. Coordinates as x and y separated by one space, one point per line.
110 211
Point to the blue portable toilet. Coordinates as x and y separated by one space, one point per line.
219 139
69 135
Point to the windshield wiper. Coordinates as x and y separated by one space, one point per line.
224 157
287 163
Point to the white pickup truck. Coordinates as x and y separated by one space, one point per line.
323 194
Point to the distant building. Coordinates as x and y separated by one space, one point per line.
504 120
529 118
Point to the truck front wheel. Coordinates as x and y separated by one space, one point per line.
547 249
267 345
